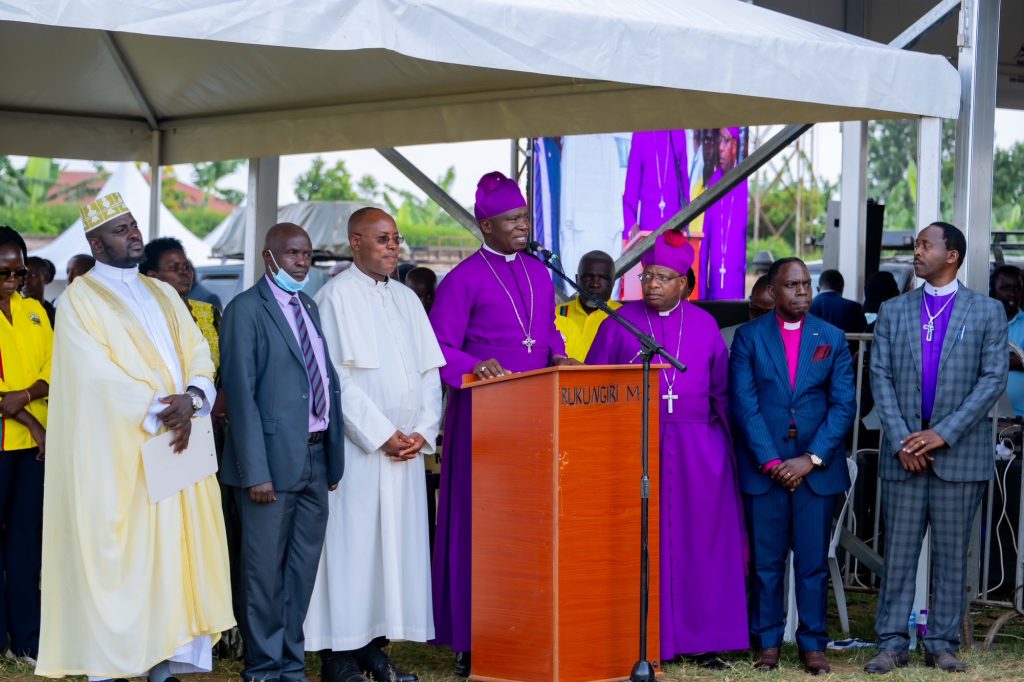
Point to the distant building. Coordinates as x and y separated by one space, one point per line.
81 187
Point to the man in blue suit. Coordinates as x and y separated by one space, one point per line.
285 448
792 396
830 305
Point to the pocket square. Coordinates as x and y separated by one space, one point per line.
822 352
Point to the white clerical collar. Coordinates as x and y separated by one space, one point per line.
791 326
368 280
116 274
666 313
509 257
945 290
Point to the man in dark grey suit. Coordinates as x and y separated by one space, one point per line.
938 364
284 450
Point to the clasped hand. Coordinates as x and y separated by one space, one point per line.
790 473
401 447
917 448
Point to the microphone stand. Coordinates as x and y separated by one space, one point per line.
642 671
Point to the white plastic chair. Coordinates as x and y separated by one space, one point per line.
833 568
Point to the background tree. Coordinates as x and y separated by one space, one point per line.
320 183
207 175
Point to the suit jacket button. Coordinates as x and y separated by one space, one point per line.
305 397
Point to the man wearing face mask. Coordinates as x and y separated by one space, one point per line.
285 449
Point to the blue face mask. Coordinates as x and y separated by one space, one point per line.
286 281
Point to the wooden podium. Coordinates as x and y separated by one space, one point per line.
556 524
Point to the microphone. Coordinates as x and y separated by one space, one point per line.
538 250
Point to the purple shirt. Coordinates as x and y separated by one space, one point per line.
283 299
791 342
931 351
475 315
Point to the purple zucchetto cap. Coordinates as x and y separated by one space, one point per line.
671 250
496 194
734 131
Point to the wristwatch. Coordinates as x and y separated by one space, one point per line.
815 460
197 400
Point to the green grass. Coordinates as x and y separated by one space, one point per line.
1004 663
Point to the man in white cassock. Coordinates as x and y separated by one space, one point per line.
129 587
374 575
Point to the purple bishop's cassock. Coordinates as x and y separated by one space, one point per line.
657 179
474 320
703 542
724 249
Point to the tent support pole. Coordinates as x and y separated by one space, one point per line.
978 40
260 214
155 187
853 207
432 190
929 170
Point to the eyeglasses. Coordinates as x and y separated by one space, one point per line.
385 240
16 274
660 279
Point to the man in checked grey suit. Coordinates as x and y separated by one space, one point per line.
938 364
284 450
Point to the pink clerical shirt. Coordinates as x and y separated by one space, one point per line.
791 333
283 299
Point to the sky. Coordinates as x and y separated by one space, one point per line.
473 159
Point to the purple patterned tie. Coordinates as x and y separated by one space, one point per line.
316 382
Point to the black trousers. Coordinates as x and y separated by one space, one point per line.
21 548
281 544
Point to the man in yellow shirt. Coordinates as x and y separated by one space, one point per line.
26 344
576 320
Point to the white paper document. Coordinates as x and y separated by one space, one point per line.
168 472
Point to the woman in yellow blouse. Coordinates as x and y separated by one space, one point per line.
26 347
166 261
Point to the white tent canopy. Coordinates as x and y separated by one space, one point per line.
223 79
325 221
129 182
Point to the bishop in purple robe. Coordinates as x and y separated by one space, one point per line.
724 249
493 314
657 180
703 546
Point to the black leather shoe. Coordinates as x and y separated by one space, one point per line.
462 664
376 665
885 661
340 667
945 660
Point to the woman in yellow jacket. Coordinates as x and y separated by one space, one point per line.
26 346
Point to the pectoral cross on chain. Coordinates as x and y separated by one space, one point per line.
929 328
670 397
528 342
721 276
661 207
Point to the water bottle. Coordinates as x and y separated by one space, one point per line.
922 623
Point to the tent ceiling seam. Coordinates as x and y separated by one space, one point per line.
130 79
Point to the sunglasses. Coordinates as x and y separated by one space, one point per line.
17 274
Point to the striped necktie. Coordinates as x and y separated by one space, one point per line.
316 382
